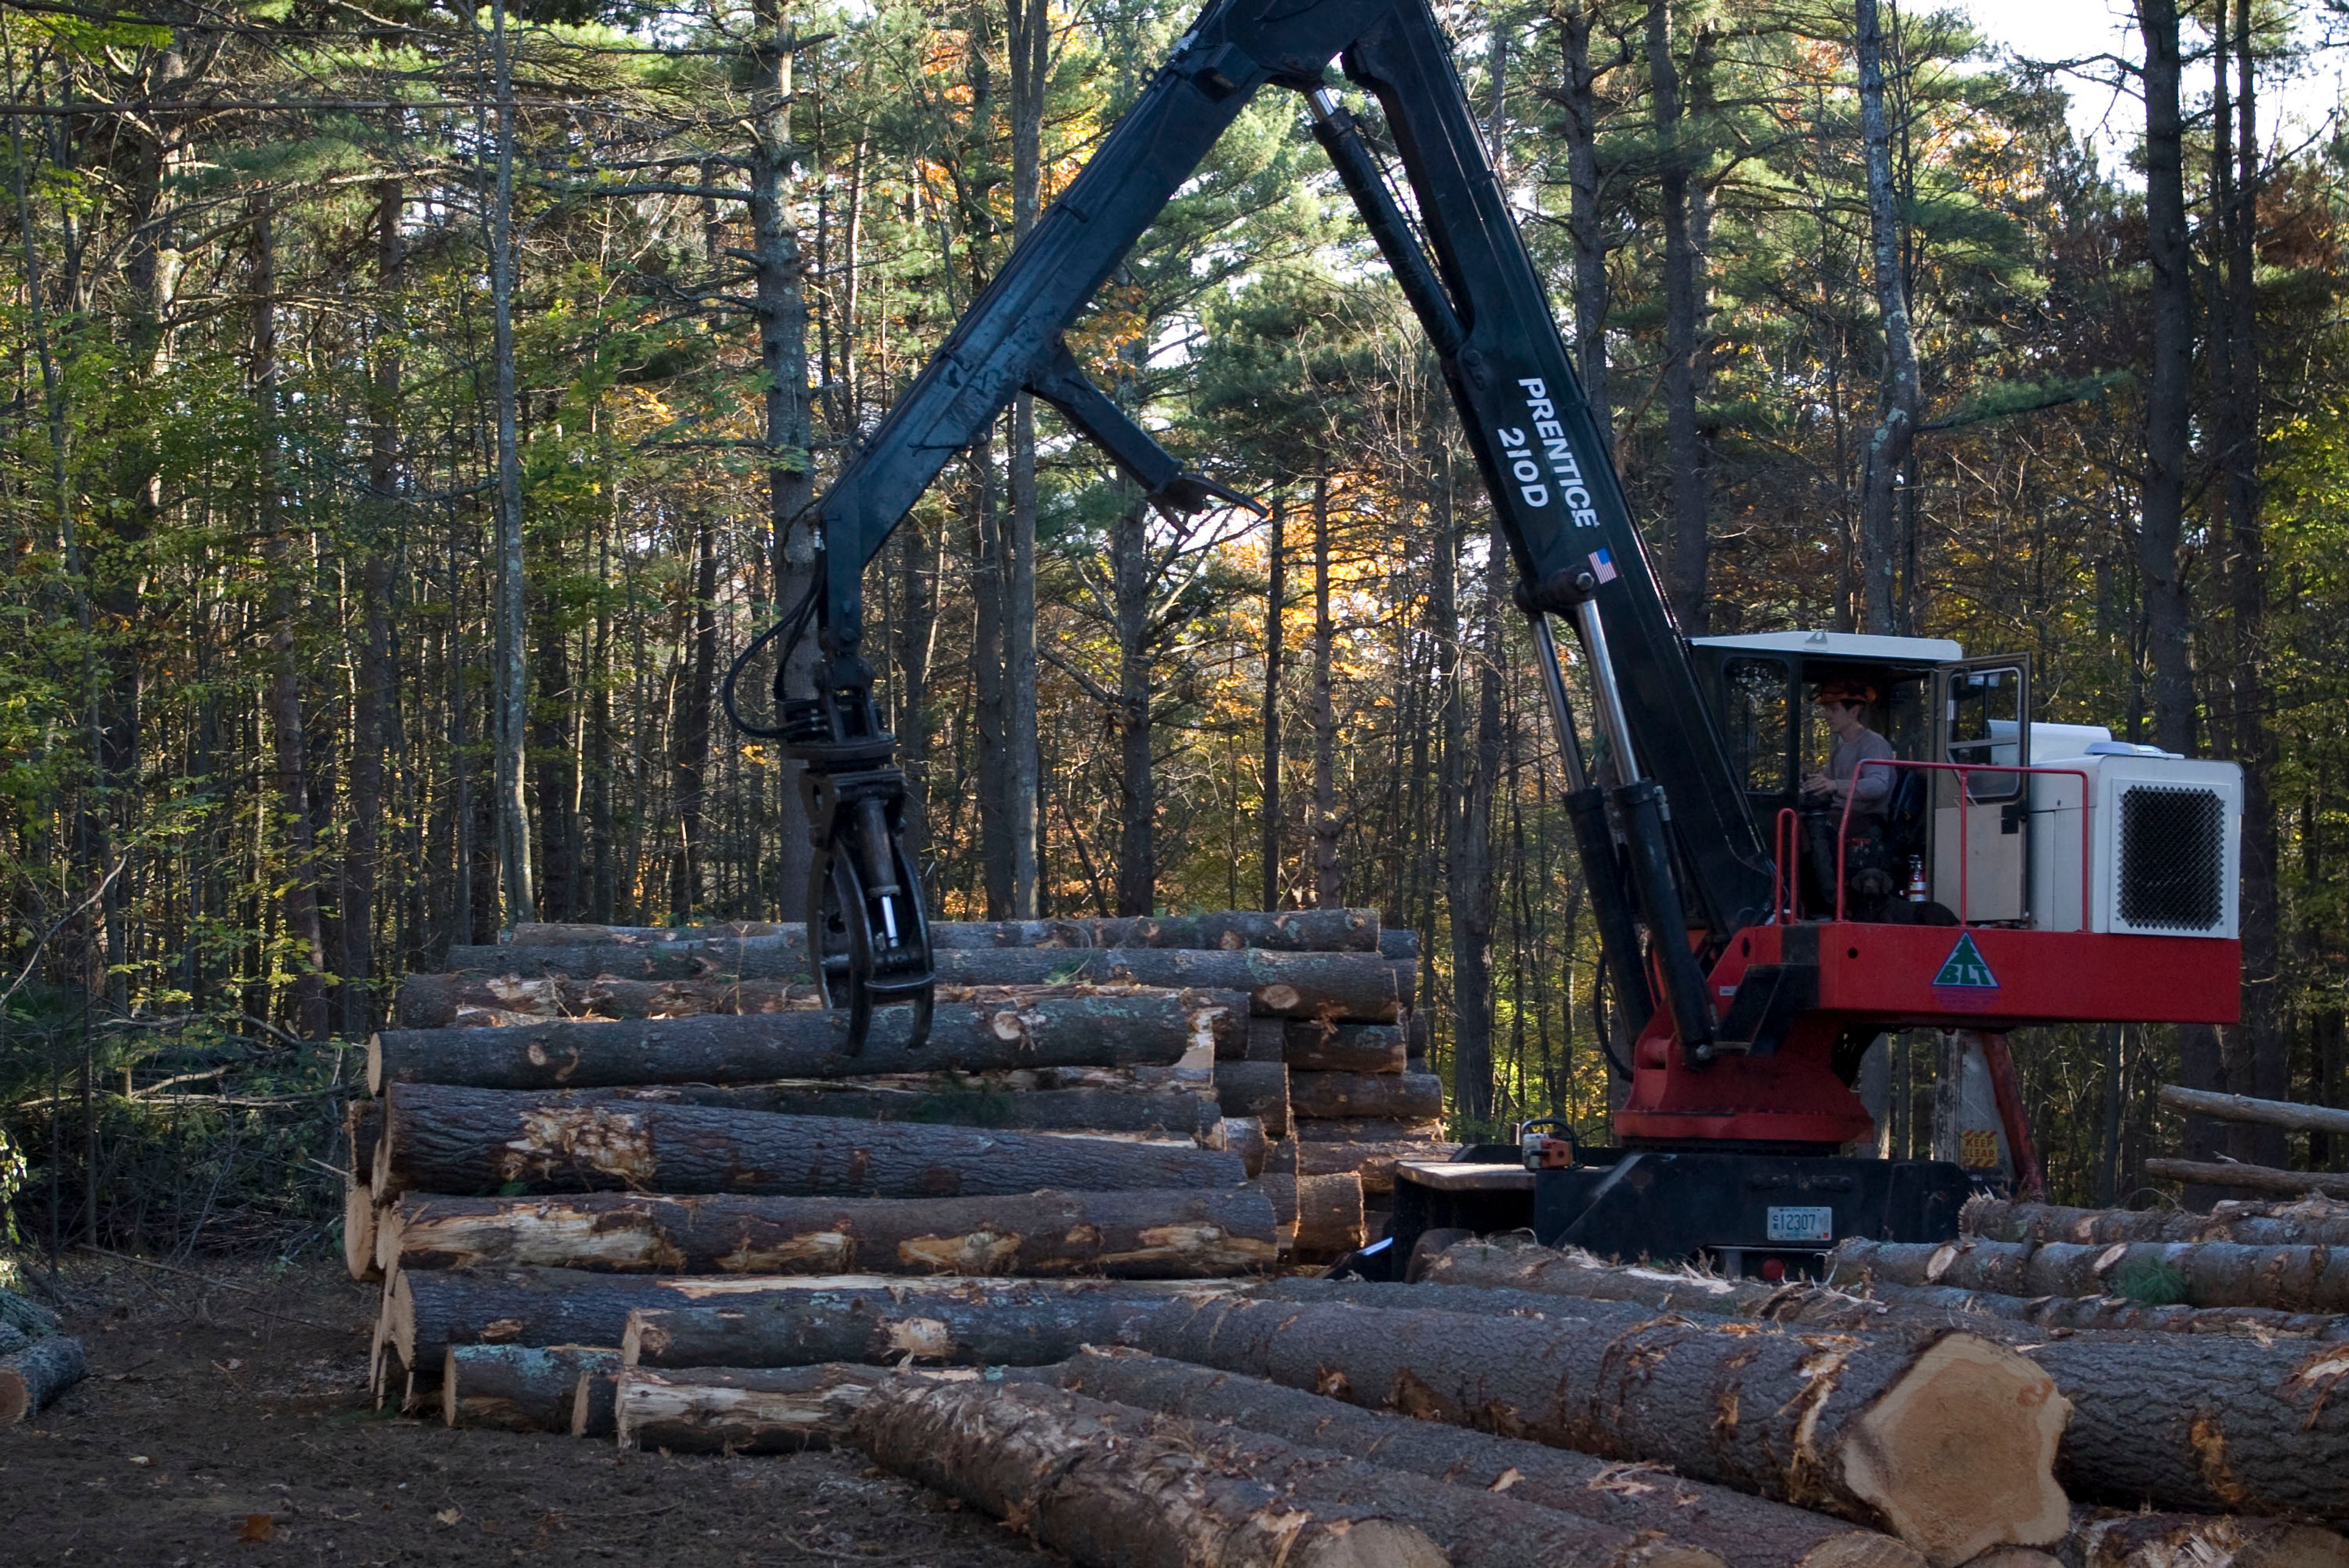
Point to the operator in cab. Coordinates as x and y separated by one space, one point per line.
1844 703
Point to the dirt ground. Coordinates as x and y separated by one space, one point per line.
226 1420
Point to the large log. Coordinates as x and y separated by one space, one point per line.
740 1410
1140 1028
2289 1115
1374 1162
1390 1096
1365 1129
1499 1264
476 1142
2256 1177
1267 1041
1317 1045
1105 1498
2105 1538
561 933
1359 986
1258 1089
1156 1235
34 1376
2215 1422
1245 1137
951 1101
517 1387
362 1126
2319 1223
2192 1273
1069 1469
425 1311
992 1324
446 1000
1293 931
1393 944
1870 1429
1744 1531
1325 1212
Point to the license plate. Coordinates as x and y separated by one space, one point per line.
1790 1224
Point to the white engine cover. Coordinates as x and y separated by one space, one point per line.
2164 838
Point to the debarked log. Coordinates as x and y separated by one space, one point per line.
1110 1485
1351 985
1140 1028
1258 1089
425 1311
2105 1538
1374 1162
1314 1046
1864 1427
1393 1097
1190 1234
1744 1531
993 1324
32 1378
2215 1422
2320 1222
2193 1273
741 1409
517 1387
476 1142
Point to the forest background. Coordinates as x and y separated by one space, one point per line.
411 411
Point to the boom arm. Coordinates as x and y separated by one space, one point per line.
1555 493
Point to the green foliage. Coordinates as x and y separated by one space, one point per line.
2150 1281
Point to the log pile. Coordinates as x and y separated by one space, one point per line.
564 1121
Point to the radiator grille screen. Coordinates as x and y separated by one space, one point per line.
2173 858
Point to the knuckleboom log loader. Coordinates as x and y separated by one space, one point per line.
2016 874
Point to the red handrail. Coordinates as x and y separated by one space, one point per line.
1786 867
1964 771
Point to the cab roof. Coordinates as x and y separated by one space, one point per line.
1843 645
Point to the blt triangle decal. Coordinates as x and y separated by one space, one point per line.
1964 967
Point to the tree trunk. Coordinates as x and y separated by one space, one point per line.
371 695
740 1409
1028 37
1744 1531
2203 1274
1254 1089
512 697
2102 1538
517 1387
1315 1045
474 1000
1860 1429
1137 830
2280 1114
994 1322
1585 214
990 702
1684 443
1322 1213
2168 382
689 742
1395 1097
1275 601
2310 1224
1078 1479
1151 1027
2203 1422
2249 1177
1888 446
1329 875
1175 1113
1358 987
1292 931
1367 1129
481 1141
1110 1235
1474 898
38 1374
1373 1163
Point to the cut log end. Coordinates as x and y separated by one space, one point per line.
1939 1455
1370 1543
358 1231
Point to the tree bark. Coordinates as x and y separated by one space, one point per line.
2283 1114
1475 898
2206 1421
690 741
1137 819
1323 1213
987 1323
517 1387
1373 1162
1744 1531
1245 1137
1586 213
1078 1479
1111 1235
2103 1539
477 1001
512 705
2306 1225
36 1374
2169 381
474 1142
1156 1028
1367 1129
1684 442
1027 41
1317 1045
1355 986
1859 1429
740 1409
2253 1177
1396 1096
1329 874
1254 1089
2205 1274
1896 431
1289 930
1275 601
